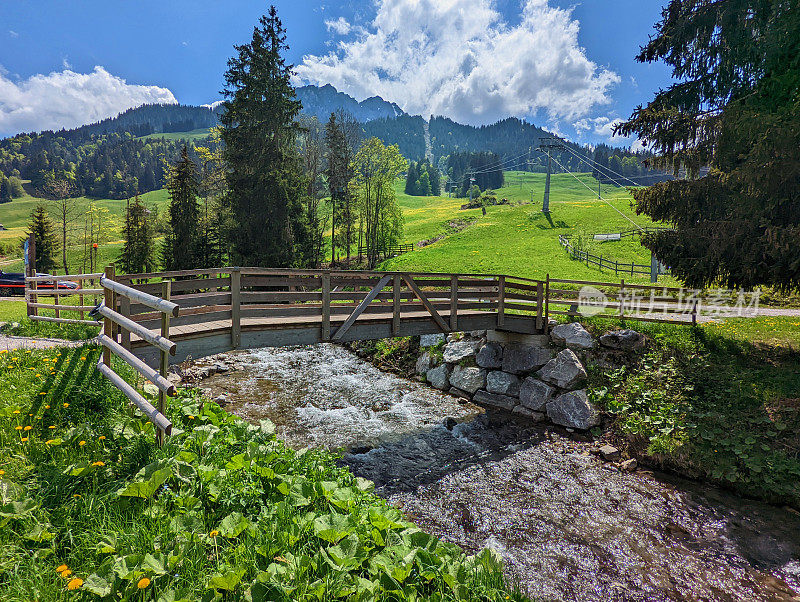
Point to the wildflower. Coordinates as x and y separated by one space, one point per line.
38 375
27 428
143 583
24 439
66 405
52 427
46 407
101 438
83 358
61 568
50 442
19 428
2 472
66 573
190 417
213 534
98 463
281 559
77 496
43 393
81 443
16 411
75 583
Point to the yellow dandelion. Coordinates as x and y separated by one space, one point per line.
83 358
82 443
66 405
38 375
27 428
75 583
24 439
52 427
77 496
213 533
43 393
50 442
16 412
98 463
143 583
19 428
190 417
46 407
66 573
61 568
2 472
101 438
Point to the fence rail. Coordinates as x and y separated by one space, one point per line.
389 252
632 269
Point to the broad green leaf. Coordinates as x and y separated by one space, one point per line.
100 583
233 524
227 581
39 533
333 527
18 509
346 554
147 480
365 484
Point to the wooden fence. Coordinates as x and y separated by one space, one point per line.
388 252
632 269
59 289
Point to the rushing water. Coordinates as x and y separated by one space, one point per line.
568 527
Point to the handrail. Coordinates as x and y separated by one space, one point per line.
156 340
140 297
50 278
162 423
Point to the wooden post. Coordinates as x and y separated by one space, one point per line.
166 293
547 305
125 334
236 307
107 324
694 314
80 297
326 306
501 301
454 303
31 271
539 304
56 301
621 300
396 301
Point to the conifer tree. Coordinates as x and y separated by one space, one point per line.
180 249
43 230
259 128
138 250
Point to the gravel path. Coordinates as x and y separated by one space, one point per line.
11 343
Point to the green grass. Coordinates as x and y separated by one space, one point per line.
518 239
711 403
200 134
12 310
222 511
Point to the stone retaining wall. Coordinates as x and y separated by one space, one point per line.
539 377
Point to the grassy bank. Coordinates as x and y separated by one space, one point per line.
91 508
719 403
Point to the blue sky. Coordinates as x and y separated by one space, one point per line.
571 71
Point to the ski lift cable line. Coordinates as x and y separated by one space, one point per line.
586 160
489 168
601 198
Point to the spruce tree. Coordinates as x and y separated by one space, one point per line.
43 230
259 129
138 250
180 249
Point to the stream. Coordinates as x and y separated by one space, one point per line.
568 526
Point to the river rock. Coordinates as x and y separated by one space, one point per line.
425 362
574 410
490 356
468 379
534 394
609 453
519 358
504 402
573 335
439 377
564 370
624 340
430 340
629 465
459 350
502 383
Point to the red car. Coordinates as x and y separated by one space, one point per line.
13 283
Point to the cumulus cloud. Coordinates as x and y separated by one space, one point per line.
461 59
66 99
339 26
599 126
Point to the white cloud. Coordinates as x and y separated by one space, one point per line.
13 33
67 99
339 26
599 126
461 59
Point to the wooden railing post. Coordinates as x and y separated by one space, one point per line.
166 293
547 305
539 304
621 299
454 303
501 301
236 307
108 324
31 271
56 290
396 301
326 306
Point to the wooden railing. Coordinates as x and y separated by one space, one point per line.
631 268
56 287
116 336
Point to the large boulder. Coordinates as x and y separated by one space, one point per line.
574 410
459 350
534 394
490 356
425 362
519 358
564 370
572 335
502 383
439 377
624 340
503 402
430 340
468 379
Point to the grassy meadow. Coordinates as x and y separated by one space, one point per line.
194 135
